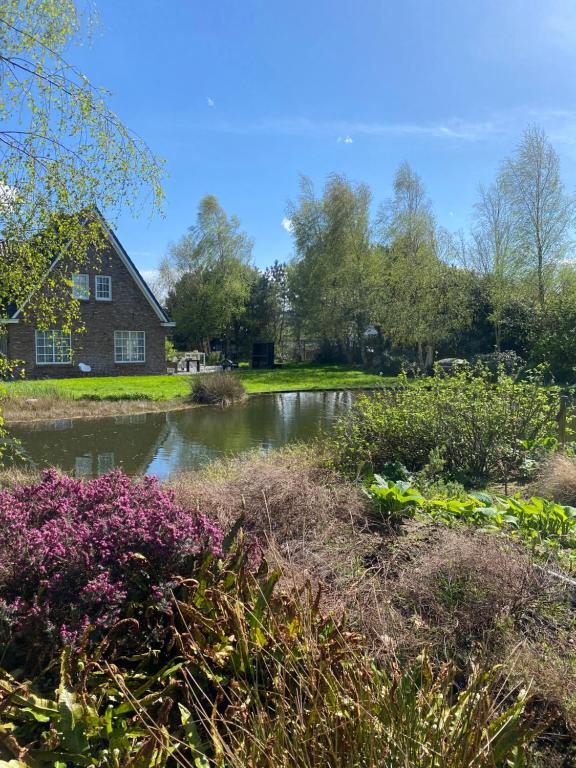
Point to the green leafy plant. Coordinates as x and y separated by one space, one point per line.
537 521
478 428
393 499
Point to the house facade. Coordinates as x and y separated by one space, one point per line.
124 326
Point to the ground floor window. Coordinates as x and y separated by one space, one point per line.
129 346
53 347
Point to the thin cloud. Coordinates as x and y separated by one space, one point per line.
345 130
287 224
211 103
559 124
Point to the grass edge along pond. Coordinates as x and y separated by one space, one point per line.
293 377
44 399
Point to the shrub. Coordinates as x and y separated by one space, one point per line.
508 361
283 496
217 389
480 429
75 553
461 587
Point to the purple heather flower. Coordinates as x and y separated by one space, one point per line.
72 553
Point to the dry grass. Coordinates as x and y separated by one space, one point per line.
557 479
216 389
427 585
460 586
45 408
459 593
310 522
17 476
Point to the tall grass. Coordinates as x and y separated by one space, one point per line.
33 390
316 700
216 389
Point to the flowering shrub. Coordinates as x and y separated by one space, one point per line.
75 553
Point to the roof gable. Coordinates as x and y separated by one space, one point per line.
134 273
14 315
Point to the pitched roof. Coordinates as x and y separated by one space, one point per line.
13 311
131 267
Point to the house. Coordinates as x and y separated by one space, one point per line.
124 326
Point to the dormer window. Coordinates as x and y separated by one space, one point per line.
103 288
80 287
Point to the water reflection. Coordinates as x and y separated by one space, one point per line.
161 443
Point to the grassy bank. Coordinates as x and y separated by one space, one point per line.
102 396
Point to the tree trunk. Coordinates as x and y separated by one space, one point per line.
540 276
420 356
497 335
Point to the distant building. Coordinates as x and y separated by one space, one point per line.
124 325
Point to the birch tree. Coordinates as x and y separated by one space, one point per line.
543 214
62 151
493 252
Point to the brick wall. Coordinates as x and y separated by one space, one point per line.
129 310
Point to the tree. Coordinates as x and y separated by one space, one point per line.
427 301
543 215
407 218
494 255
267 309
62 151
209 274
336 274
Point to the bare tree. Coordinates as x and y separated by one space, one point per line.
543 215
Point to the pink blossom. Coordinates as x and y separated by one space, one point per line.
75 553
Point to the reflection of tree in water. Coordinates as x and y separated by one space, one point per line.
160 443
260 423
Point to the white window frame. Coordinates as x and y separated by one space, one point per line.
108 279
129 335
53 361
81 293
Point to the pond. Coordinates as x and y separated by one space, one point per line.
166 442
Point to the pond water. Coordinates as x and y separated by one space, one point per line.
163 443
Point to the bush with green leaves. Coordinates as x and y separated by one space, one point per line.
476 427
542 524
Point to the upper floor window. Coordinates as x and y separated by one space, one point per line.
53 347
80 287
129 347
103 288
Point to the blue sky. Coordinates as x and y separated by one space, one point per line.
240 98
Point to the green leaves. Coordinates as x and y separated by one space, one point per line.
64 151
481 428
537 521
393 501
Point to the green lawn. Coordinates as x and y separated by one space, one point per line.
309 376
305 376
